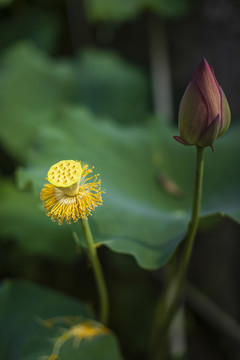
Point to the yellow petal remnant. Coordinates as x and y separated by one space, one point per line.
86 330
70 195
53 357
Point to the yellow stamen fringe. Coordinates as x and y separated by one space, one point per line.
61 206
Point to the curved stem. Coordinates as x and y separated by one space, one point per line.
162 327
101 286
190 236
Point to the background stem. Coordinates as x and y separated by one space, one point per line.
160 69
101 286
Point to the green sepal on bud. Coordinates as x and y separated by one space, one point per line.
204 113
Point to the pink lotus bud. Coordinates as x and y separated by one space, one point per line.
204 113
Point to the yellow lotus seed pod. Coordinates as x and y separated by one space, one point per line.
65 173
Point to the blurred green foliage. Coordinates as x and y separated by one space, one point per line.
117 11
40 87
36 25
5 2
108 86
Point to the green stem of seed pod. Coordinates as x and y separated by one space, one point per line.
161 327
101 286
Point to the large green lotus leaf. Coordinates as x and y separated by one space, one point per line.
148 178
110 87
22 218
32 87
114 10
137 217
33 318
221 192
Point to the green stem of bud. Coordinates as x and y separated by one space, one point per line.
162 325
190 236
101 286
